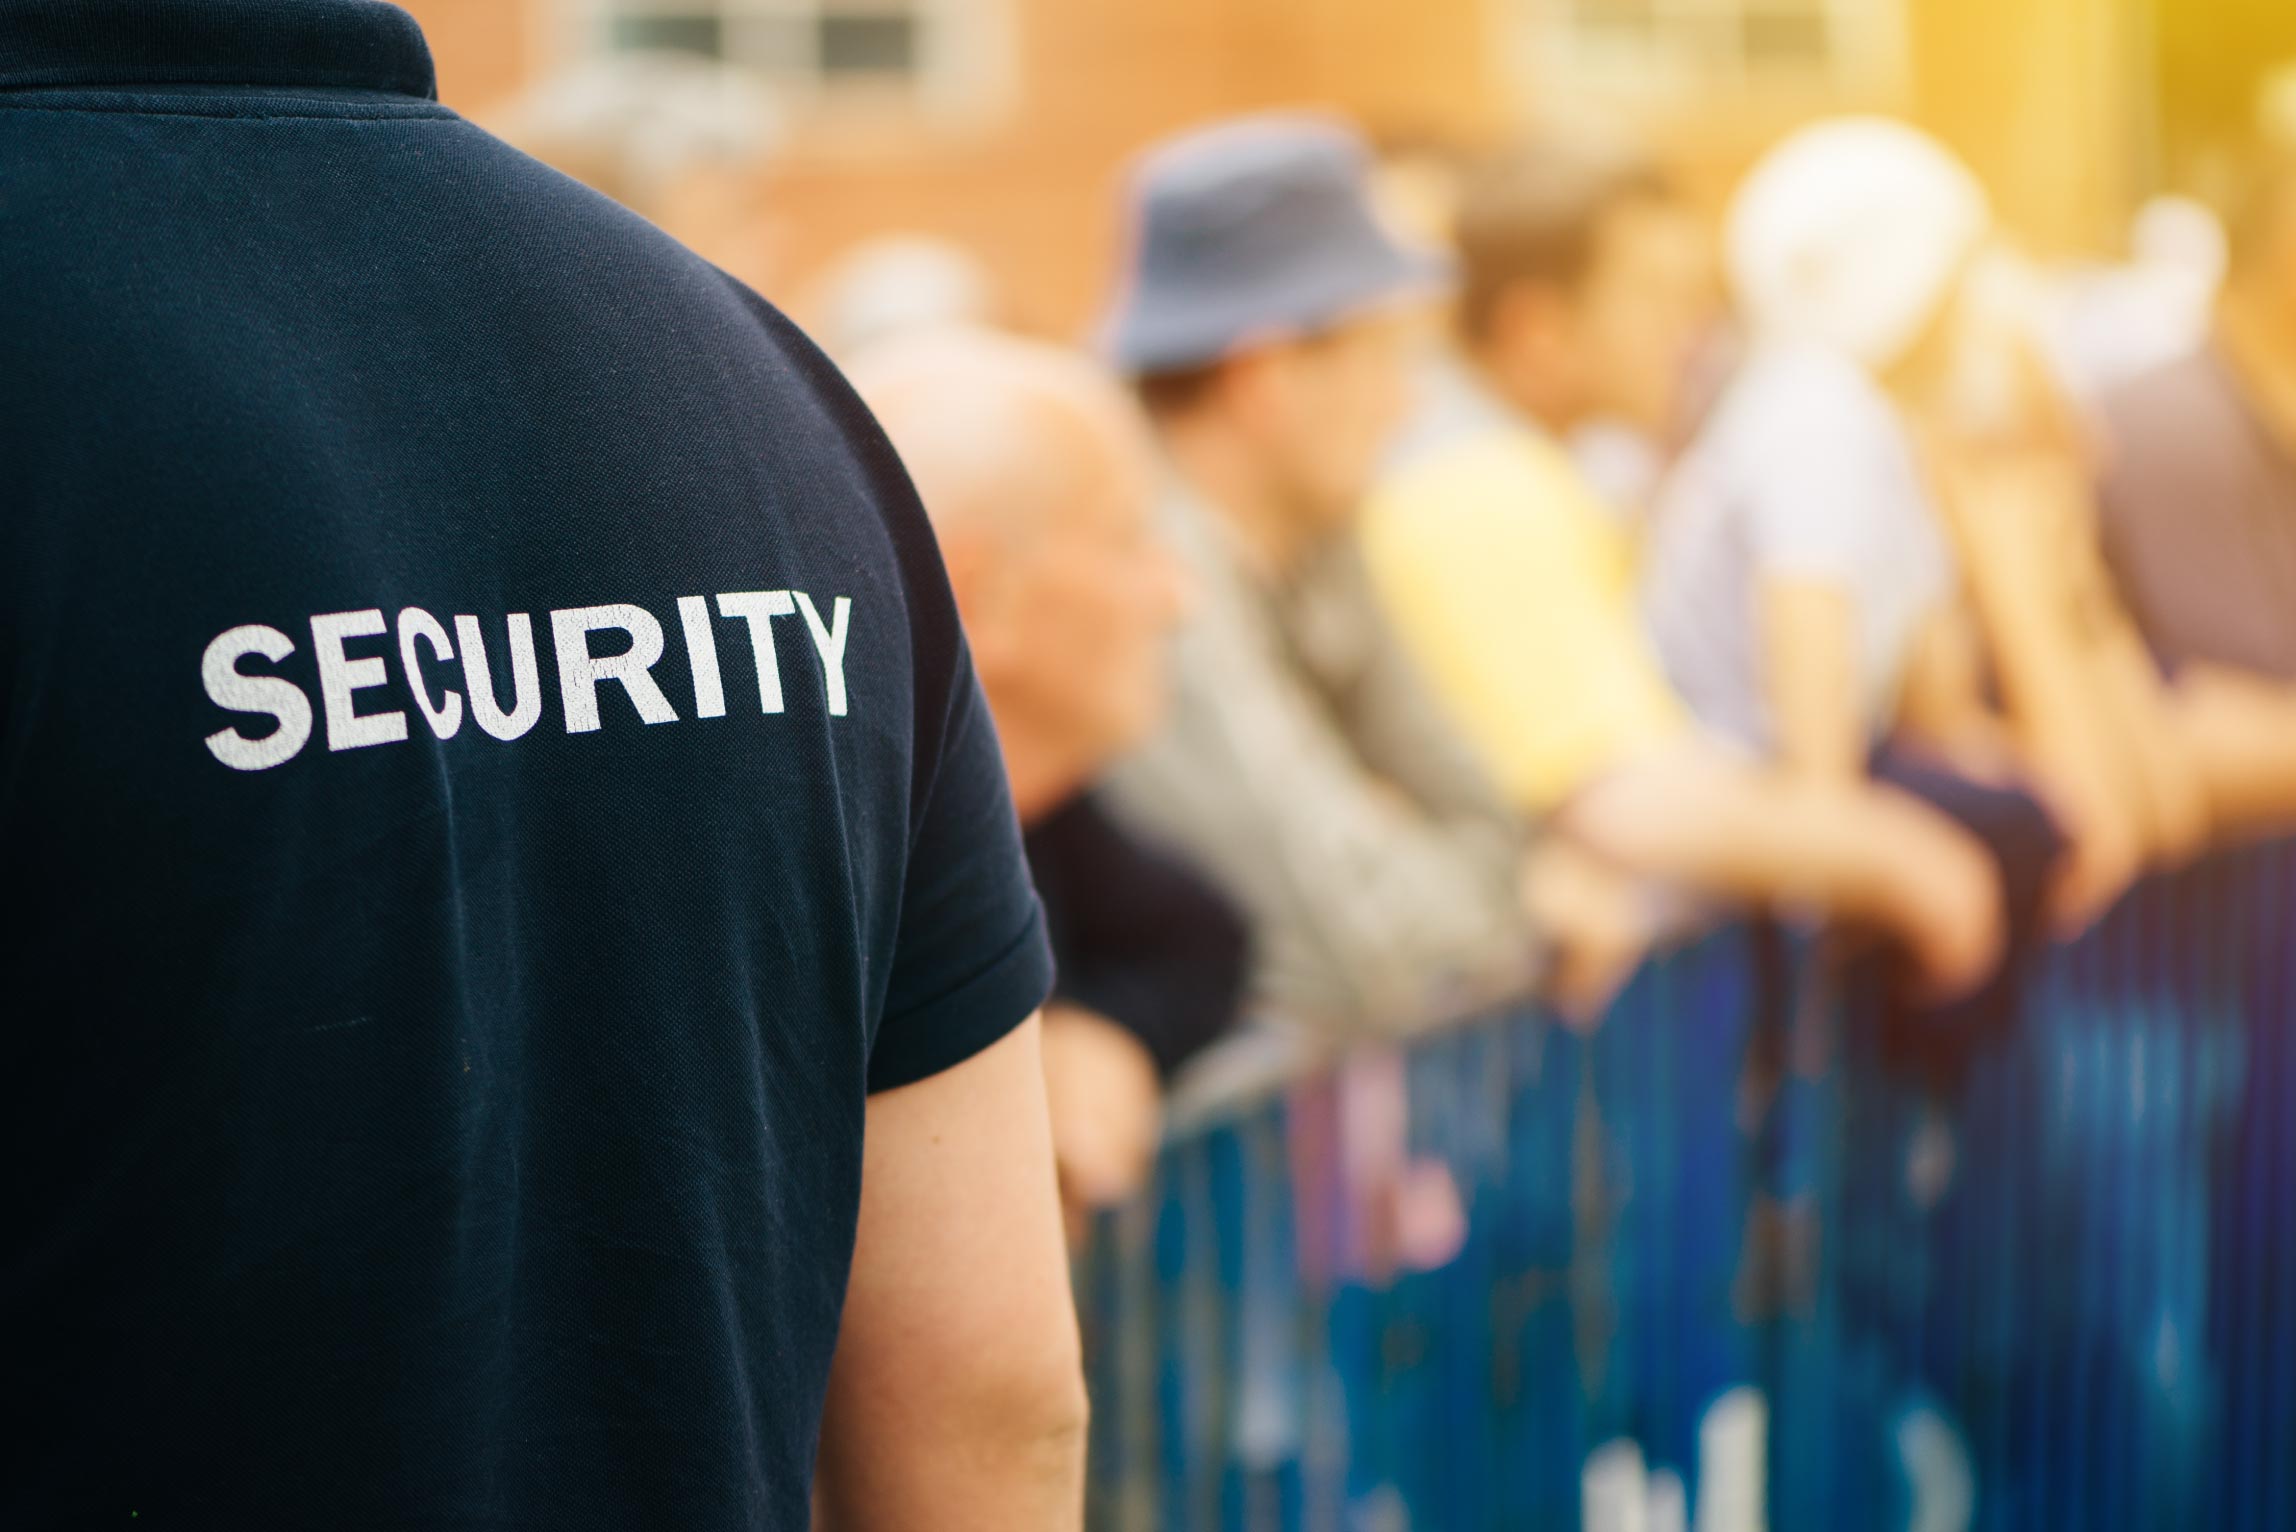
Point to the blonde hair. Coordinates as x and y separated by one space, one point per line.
1851 233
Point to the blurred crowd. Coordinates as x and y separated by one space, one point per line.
1452 574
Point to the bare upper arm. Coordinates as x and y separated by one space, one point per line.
1809 659
955 1399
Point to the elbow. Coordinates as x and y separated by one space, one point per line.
1025 1392
1054 1409
1068 1424
1005 1449
1038 1426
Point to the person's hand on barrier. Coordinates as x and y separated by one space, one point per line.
1598 926
2105 853
1946 908
1107 1110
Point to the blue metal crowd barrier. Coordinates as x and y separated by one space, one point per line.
1719 1264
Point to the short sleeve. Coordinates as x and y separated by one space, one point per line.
971 961
1817 442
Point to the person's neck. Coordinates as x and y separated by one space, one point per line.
1228 475
2257 333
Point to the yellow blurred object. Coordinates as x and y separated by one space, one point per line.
1513 589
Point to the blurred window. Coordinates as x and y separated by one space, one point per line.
914 50
677 34
1697 47
880 43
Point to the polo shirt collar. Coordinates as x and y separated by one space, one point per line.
334 44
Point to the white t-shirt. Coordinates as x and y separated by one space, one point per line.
1804 471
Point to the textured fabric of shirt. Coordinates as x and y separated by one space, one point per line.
490 780
1514 590
1137 935
1306 769
2199 519
1805 473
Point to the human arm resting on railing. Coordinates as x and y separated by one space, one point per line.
2009 516
1708 819
956 1399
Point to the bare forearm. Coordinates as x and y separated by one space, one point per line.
1857 851
2045 647
1746 832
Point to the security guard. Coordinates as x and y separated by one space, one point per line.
493 798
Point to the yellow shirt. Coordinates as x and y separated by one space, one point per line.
1513 590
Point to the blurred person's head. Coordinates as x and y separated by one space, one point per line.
676 138
1036 471
894 285
1587 284
1868 238
1267 318
1855 234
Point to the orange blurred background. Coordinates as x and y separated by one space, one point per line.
1004 124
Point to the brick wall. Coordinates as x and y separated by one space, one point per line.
2037 92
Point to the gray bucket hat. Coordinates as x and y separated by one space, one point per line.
1254 229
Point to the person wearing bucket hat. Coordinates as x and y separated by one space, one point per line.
1265 317
1251 231
1260 275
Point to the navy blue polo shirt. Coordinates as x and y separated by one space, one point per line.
490 781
